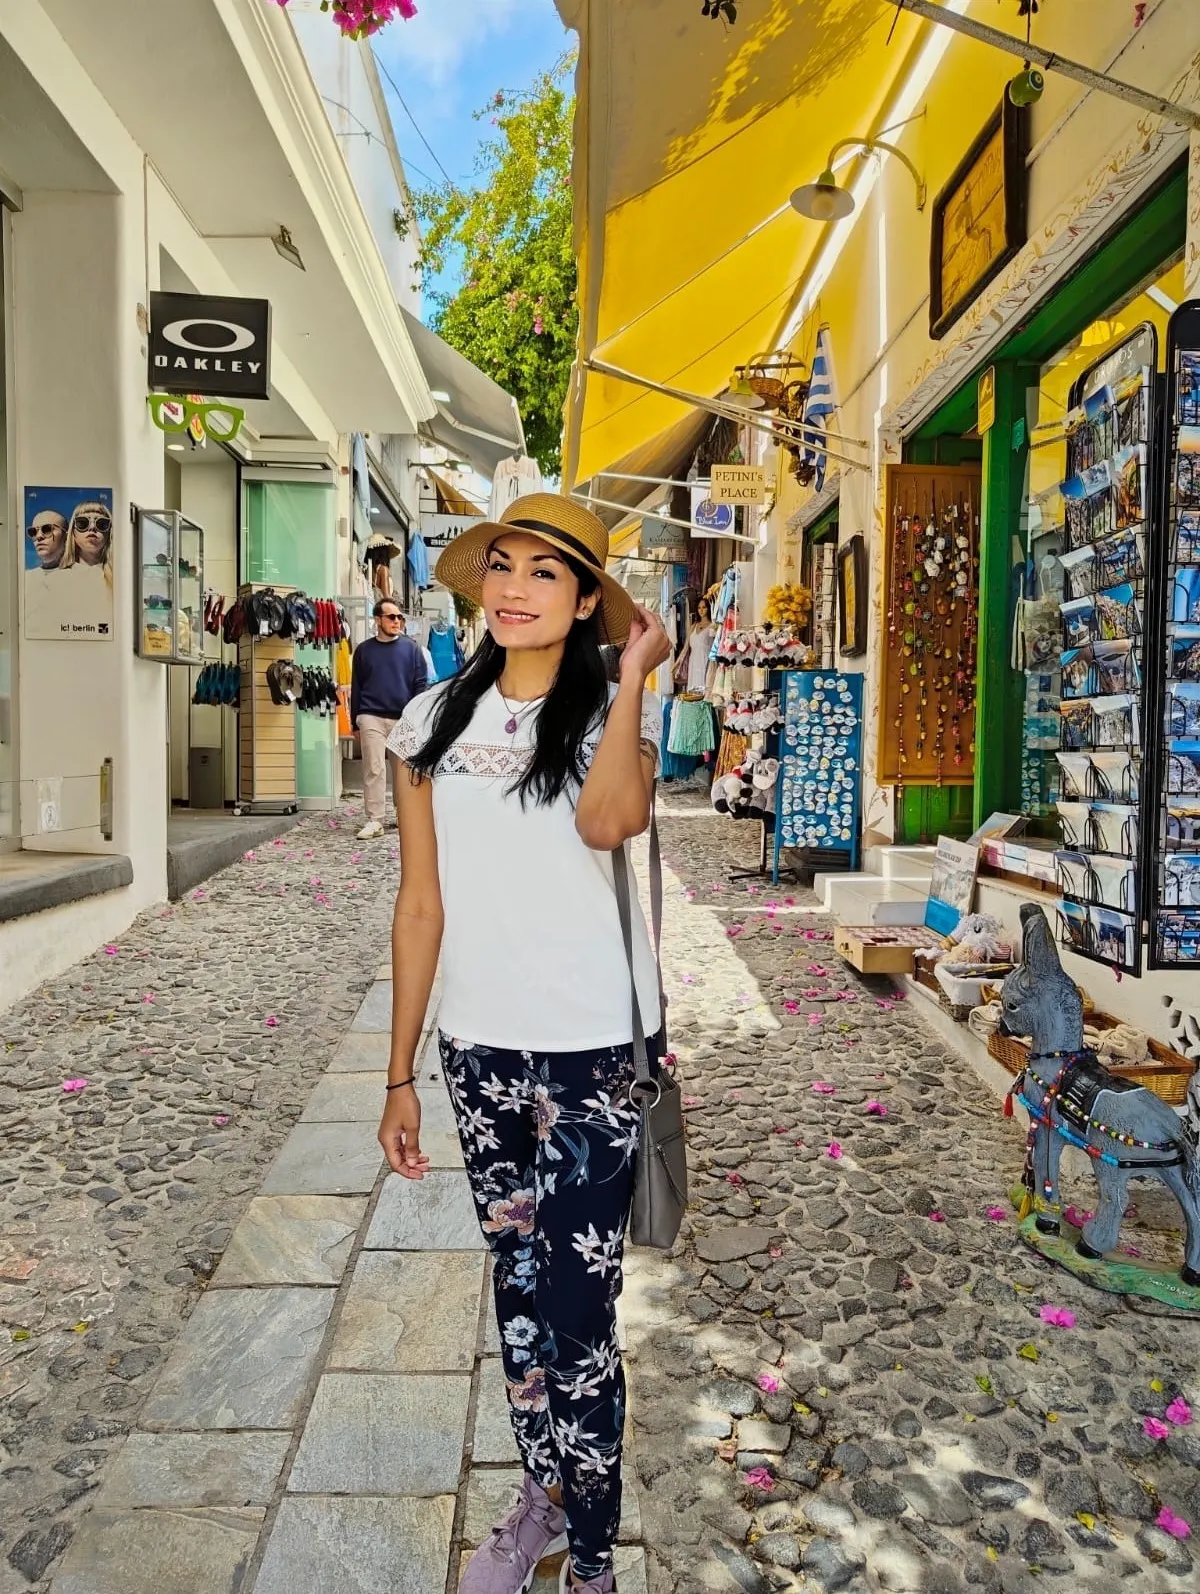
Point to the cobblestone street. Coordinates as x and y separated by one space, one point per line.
840 1379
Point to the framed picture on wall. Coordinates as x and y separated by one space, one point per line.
980 217
852 597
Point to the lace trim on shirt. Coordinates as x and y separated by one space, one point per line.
490 762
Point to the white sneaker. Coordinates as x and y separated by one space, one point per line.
370 830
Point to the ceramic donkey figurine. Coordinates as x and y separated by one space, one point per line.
1127 1130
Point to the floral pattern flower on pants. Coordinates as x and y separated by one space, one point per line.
549 1143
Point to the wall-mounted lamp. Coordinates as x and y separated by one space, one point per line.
825 201
742 395
286 249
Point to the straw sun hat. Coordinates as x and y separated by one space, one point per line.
562 523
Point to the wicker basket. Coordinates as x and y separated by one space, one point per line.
769 388
1166 1074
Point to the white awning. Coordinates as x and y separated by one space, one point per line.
479 421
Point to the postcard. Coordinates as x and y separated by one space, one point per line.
1075 926
1183 822
1114 826
1115 721
1183 767
1114 937
1187 390
1185 654
1185 604
1183 708
1115 882
1129 494
1187 468
1187 535
1088 483
1078 567
1079 621
1116 613
1077 672
1181 880
1116 776
1119 558
1116 666
1178 938
1076 823
1074 874
1076 775
1076 725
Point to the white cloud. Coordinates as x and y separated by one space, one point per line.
435 43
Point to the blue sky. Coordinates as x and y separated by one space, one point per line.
450 59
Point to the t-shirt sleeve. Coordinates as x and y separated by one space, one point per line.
652 722
411 730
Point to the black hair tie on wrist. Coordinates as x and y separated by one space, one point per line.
401 1082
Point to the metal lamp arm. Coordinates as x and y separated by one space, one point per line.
892 149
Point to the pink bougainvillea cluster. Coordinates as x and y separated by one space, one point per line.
358 18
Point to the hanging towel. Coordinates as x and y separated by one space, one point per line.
418 561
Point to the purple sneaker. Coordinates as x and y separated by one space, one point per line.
507 1559
604 1584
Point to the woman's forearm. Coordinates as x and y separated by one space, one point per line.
416 945
614 801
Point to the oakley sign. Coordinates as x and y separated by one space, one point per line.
214 348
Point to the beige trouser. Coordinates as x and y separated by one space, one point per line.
373 732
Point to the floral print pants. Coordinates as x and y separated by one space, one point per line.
549 1143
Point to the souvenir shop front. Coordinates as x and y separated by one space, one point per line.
1059 698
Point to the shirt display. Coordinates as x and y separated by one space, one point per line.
532 958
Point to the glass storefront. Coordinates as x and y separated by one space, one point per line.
289 540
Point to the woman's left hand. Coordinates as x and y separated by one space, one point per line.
648 646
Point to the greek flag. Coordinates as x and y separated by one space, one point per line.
819 403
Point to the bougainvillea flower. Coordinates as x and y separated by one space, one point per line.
834 1150
824 1088
1167 1521
762 1478
1179 1412
1057 1316
691 1101
734 1178
768 1383
1077 1218
818 972
997 1214
1154 1428
876 1109
271 1021
937 1216
72 1087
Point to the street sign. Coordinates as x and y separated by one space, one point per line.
660 535
439 531
738 484
710 519
213 347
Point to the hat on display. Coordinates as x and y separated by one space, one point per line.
561 523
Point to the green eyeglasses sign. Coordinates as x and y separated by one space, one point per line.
221 422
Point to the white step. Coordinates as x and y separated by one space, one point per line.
913 864
869 899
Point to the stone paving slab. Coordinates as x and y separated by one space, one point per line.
492 1491
161 1552
492 1439
394 1434
195 1469
361 1051
326 1159
243 1360
292 1240
435 1213
375 1014
348 1545
355 1098
410 1311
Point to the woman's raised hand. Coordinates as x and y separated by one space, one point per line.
648 646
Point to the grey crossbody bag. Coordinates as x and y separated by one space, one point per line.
660 1172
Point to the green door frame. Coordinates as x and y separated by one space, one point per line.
1134 254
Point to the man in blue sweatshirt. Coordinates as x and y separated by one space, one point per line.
388 671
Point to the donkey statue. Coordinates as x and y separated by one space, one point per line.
1126 1130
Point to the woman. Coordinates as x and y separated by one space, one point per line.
89 538
697 645
527 768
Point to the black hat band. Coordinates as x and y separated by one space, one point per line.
574 543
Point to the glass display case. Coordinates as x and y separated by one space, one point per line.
170 587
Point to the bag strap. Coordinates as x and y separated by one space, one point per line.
620 862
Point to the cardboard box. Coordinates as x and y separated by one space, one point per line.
883 949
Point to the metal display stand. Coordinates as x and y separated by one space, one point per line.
266 730
818 796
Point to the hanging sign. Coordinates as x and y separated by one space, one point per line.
439 531
738 484
660 535
214 347
709 518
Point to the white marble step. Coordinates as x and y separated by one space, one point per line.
869 899
913 865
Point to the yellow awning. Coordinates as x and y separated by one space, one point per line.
689 136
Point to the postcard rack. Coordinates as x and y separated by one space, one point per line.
1107 515
1173 831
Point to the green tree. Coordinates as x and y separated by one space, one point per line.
507 242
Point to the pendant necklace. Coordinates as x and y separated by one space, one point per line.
515 715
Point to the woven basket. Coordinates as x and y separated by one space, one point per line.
769 388
1166 1074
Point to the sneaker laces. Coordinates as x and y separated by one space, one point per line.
506 1535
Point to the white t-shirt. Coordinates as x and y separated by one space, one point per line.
532 956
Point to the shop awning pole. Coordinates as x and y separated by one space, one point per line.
667 520
1099 82
809 436
653 481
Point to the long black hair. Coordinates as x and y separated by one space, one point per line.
575 703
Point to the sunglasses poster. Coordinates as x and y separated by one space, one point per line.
68 574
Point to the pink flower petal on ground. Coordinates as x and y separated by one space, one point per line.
884 1003
315 881
734 931
815 1018
844 996
111 951
791 1006
818 972
279 842
760 1478
1057 1316
834 1150
271 1021
775 1250
1167 1521
768 1383
1077 1218
798 1143
1179 1412
310 855
824 1088
780 1129
687 979
356 857
250 856
199 896
789 902
997 1214
754 891
937 1217
1130 1250
1154 1428
147 999
734 1178
72 1087
321 900
876 1109
813 993
691 1101
221 1120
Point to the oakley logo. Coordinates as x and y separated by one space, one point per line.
208 341
178 333
211 346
